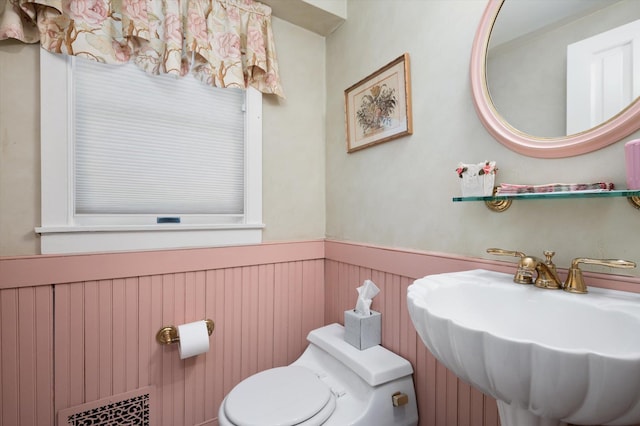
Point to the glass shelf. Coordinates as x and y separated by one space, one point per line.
502 202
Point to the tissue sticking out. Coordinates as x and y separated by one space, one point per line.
362 326
366 293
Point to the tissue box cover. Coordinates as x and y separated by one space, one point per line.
362 331
477 180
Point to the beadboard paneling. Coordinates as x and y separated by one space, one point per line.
109 306
26 345
105 333
264 300
25 271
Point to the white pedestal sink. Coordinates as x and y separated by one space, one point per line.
547 356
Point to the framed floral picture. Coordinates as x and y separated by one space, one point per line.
378 107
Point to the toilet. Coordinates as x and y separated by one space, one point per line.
331 384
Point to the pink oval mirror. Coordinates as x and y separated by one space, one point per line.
620 125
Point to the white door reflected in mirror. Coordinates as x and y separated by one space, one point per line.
600 77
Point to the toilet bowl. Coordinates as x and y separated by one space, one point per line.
331 384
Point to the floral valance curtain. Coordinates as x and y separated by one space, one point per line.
224 43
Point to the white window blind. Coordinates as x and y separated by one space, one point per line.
155 145
147 163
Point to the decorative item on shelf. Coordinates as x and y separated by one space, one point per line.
632 160
477 180
523 189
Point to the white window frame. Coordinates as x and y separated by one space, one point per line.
61 232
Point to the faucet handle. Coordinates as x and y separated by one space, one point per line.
575 281
503 252
526 265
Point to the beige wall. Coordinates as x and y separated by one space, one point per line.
293 140
19 148
293 179
399 193
396 194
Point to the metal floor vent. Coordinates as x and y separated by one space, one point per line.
128 409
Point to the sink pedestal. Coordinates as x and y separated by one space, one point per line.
514 416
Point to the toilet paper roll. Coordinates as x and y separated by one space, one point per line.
194 339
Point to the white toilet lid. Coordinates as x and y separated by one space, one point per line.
283 396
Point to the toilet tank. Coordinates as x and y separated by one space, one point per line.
375 365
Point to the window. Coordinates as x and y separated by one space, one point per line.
153 163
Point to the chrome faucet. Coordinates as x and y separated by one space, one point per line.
547 275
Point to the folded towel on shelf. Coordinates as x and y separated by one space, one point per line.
511 189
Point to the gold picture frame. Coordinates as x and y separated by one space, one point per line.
378 107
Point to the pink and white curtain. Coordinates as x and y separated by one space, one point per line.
224 43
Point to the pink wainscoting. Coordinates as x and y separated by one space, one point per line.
79 328
26 345
105 333
107 309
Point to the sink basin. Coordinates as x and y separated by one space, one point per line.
547 356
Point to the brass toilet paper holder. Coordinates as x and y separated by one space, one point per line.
168 335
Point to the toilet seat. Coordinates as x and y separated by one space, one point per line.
283 396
